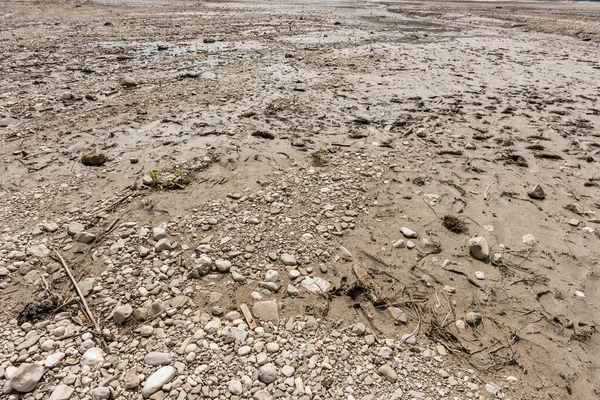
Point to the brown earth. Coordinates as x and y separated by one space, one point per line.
477 101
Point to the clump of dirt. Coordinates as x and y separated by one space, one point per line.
37 310
318 159
454 224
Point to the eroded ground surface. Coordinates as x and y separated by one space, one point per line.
281 148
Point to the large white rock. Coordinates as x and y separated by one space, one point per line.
316 285
27 377
157 380
266 310
92 357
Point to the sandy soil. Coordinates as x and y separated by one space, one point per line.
466 105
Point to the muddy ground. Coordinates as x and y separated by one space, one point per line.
463 107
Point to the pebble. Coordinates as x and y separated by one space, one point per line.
156 381
62 392
396 314
537 193
387 371
529 240
157 358
478 247
266 310
92 357
235 387
359 329
85 237
479 275
473 318
267 373
408 233
122 313
26 378
288 259
399 244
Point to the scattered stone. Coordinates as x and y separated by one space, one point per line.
26 378
316 285
122 313
235 387
479 275
92 357
399 244
267 373
479 247
156 381
359 329
473 318
408 233
155 358
62 392
409 339
396 314
529 240
50 226
266 310
387 371
127 81
41 250
84 237
537 193
288 259
497 259
101 393
75 227
93 159
223 266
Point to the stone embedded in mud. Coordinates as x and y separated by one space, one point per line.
91 159
127 81
497 259
85 237
537 193
266 310
479 247
396 314
529 240
399 244
473 318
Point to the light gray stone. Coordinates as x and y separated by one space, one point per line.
266 310
155 381
479 247
267 373
62 392
157 358
27 377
